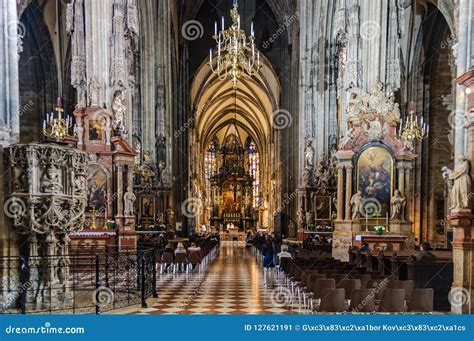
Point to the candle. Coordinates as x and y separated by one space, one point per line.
251 28
44 124
238 22
215 27
222 23
386 218
210 56
366 222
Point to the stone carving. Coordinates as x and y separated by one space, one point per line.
309 219
301 219
51 181
94 88
347 139
108 131
118 74
119 108
461 184
309 155
374 102
308 177
374 129
356 204
79 131
129 199
397 203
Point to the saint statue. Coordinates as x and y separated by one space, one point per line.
309 155
119 108
79 131
397 204
50 181
461 186
347 139
301 219
309 219
129 199
356 204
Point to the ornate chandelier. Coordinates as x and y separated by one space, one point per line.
236 53
414 128
55 126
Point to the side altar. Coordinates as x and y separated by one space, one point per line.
102 135
374 165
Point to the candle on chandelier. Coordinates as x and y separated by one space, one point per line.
210 56
222 23
238 22
215 28
44 124
251 29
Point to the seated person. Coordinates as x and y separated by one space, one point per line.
365 247
284 253
180 249
195 249
424 255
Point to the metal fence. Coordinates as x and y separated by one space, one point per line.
85 281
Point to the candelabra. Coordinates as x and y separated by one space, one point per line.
57 127
414 128
236 53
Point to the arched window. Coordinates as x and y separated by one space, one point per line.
210 167
254 170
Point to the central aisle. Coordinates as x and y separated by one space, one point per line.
232 284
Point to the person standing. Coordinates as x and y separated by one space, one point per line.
268 253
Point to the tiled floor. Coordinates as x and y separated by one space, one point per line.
232 284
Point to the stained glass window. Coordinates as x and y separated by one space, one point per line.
254 171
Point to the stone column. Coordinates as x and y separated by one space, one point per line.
401 178
463 258
119 169
9 93
340 192
348 191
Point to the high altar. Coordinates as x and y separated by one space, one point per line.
373 166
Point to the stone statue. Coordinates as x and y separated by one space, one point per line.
347 139
309 155
79 131
51 181
461 184
397 204
301 219
94 88
308 178
129 199
291 230
309 219
108 131
356 204
119 108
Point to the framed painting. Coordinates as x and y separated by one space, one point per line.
147 206
96 189
323 207
96 130
375 177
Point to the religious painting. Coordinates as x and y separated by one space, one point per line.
96 189
96 130
147 207
322 207
374 179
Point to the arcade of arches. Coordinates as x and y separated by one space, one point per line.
346 134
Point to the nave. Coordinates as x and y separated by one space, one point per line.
232 284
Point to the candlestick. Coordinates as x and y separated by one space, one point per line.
366 223
386 218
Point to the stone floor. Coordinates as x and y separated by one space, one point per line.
232 284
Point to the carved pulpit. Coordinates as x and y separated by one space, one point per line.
110 197
374 164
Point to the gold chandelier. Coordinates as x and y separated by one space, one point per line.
236 53
414 128
55 126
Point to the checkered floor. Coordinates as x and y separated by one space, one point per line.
232 284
